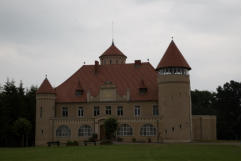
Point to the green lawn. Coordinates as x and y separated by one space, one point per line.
128 152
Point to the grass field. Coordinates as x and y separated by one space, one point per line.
128 152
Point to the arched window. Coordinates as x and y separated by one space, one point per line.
148 130
125 130
85 130
63 131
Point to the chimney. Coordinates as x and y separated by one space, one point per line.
137 62
96 66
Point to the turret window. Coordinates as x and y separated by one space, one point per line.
41 112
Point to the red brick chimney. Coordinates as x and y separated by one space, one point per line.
96 66
137 62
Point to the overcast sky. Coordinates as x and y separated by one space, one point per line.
55 37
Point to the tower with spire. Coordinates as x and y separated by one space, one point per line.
112 56
45 111
174 99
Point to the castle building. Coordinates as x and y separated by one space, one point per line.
149 103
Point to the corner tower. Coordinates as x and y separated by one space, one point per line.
174 97
45 110
112 56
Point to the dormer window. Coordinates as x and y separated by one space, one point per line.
143 90
79 92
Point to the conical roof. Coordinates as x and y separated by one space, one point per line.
173 58
113 51
45 88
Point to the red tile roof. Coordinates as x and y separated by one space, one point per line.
45 88
123 76
173 58
113 51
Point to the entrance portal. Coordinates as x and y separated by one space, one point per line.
102 132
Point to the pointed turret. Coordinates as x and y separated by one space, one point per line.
173 58
113 56
46 88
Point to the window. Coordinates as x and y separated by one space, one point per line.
80 111
108 110
79 92
41 112
155 110
180 126
96 111
173 129
116 61
125 130
120 111
143 90
42 131
137 110
148 130
166 131
85 130
64 111
110 61
63 131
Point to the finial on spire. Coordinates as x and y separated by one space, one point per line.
46 76
112 34
172 37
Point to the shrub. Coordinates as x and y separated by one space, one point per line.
119 139
72 143
149 140
110 125
133 140
106 142
93 138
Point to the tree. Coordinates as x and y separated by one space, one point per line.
22 127
202 102
228 110
111 126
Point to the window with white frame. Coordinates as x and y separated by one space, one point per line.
108 110
63 131
137 110
148 130
125 130
64 112
80 111
85 130
155 110
120 111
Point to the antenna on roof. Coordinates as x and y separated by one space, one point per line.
112 33
84 63
148 60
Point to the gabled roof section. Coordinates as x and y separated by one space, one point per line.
45 88
113 51
123 76
173 58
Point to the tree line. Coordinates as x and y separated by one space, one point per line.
17 111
